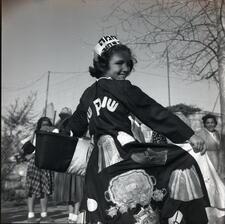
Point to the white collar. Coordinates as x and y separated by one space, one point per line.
210 132
104 78
213 135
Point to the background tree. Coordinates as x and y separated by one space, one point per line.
17 124
185 109
191 32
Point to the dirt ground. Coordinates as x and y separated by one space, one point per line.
16 212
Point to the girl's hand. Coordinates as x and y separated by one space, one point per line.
56 130
198 144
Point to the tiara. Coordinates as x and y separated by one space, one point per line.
105 43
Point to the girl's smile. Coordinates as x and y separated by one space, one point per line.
119 67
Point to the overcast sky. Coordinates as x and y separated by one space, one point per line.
59 36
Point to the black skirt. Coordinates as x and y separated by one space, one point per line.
129 191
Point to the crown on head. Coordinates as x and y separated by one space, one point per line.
105 43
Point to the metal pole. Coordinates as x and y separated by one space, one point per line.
46 99
215 102
168 76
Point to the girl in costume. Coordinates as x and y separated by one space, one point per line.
127 181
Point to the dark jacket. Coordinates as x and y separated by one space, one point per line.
106 105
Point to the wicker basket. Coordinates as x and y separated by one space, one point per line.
54 151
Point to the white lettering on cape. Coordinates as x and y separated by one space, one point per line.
106 102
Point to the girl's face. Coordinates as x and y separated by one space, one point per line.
45 126
210 124
119 66
45 123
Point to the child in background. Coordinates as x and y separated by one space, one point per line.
39 182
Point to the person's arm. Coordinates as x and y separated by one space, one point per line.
159 118
78 123
155 115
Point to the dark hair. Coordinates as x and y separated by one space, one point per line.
40 121
207 116
101 63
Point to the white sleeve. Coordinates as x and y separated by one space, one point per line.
23 141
